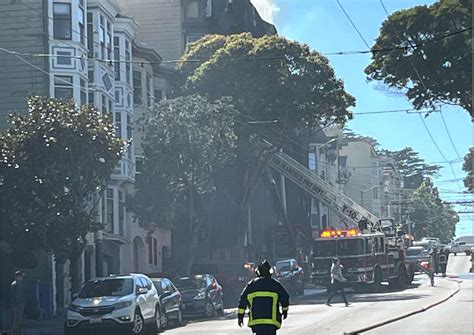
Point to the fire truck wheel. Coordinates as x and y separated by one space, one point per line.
377 284
401 280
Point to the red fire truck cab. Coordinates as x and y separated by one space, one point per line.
367 259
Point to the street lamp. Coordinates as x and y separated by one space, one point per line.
362 194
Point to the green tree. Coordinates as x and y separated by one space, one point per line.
277 86
269 78
186 141
55 160
430 215
419 59
468 167
410 164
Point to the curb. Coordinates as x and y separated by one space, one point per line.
403 316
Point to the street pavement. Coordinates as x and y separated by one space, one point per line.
455 316
309 315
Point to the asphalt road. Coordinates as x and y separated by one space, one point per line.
309 315
455 316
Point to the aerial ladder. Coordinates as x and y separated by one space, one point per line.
318 188
346 208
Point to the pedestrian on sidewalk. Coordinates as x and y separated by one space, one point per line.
337 281
267 300
17 302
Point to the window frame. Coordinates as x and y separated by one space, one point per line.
90 34
83 94
82 25
57 17
137 88
117 69
62 85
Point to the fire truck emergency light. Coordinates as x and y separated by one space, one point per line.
328 233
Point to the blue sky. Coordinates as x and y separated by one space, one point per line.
322 25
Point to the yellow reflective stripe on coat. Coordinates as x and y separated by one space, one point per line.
264 294
264 322
285 308
241 311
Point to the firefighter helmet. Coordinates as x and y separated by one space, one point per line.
264 269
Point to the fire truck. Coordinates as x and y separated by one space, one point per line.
368 259
371 250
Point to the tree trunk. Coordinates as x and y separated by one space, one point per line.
76 273
59 266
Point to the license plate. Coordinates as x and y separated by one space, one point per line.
95 320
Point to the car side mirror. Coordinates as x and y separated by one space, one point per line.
142 290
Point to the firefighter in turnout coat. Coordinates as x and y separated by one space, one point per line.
264 296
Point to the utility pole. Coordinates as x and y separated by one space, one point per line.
409 225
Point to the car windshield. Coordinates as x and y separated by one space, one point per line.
415 251
157 283
188 283
107 288
283 266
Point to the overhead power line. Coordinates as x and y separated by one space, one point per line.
353 25
284 57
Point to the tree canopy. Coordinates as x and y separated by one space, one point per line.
269 78
468 167
431 216
411 164
54 161
186 141
426 52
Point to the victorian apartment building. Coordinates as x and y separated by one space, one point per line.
93 58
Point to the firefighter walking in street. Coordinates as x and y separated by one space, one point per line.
264 296
337 280
443 261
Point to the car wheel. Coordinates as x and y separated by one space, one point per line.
179 318
164 320
376 286
138 323
220 311
209 309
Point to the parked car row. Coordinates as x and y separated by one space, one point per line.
130 304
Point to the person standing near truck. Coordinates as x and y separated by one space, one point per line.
443 261
337 280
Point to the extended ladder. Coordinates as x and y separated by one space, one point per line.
320 189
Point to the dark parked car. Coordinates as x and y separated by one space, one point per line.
202 295
231 276
290 275
170 301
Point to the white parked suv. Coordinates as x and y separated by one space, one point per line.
115 304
